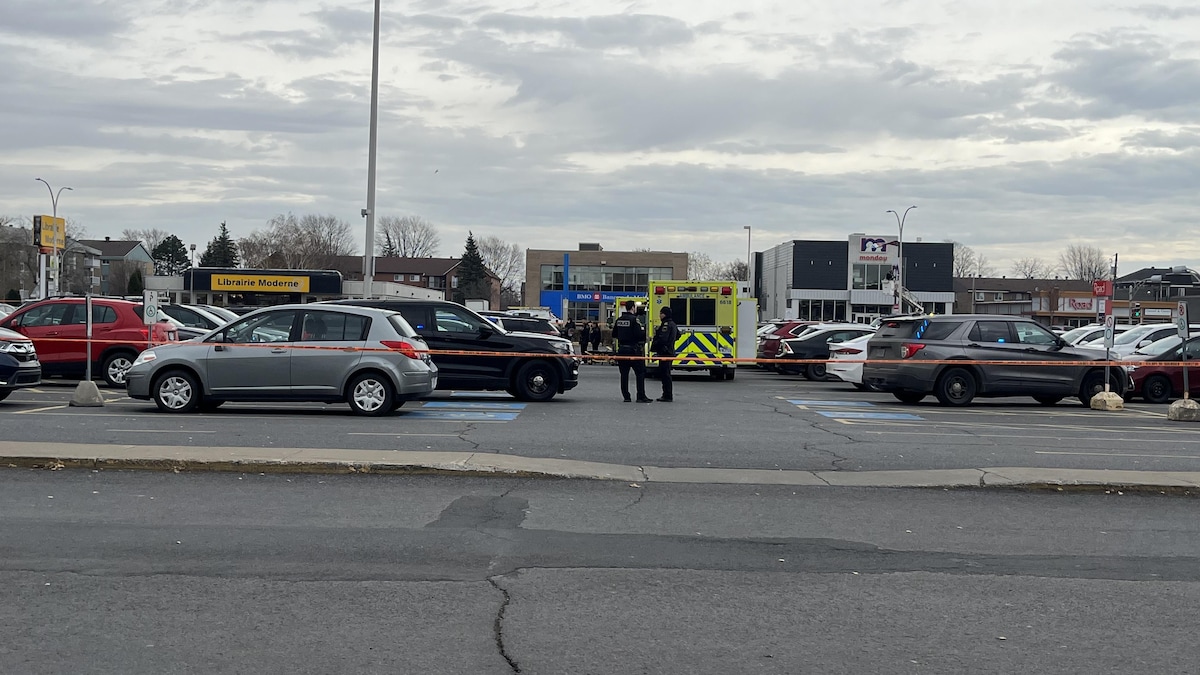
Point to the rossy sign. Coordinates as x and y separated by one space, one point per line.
1102 288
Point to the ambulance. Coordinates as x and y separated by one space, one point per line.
707 315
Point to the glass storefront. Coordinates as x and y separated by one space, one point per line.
612 278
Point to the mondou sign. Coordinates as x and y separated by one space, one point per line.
867 249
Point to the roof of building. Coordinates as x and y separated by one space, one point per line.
429 267
1018 285
1185 277
111 249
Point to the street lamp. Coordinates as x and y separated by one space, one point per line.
54 240
369 212
192 273
900 254
749 277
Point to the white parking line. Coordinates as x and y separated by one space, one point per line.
397 433
159 431
1113 454
34 410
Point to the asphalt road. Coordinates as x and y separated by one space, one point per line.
105 572
760 420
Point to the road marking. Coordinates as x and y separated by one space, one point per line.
159 431
1113 454
850 415
34 410
473 405
831 404
1073 439
481 394
460 415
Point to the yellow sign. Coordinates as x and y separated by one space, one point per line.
259 282
50 232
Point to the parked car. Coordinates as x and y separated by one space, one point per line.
907 358
58 329
1157 383
474 353
19 365
768 348
221 312
193 316
1084 334
1137 337
6 309
369 358
521 323
814 344
846 360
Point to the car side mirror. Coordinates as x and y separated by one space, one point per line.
218 338
486 332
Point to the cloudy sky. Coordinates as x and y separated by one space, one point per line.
1016 127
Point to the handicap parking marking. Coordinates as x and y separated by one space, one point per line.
480 394
855 415
831 404
474 405
460 415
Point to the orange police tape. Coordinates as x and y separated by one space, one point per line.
688 357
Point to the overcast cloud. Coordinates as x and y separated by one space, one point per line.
1015 127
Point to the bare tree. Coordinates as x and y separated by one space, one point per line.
735 270
307 242
406 237
701 266
505 260
151 237
1086 263
1032 268
968 263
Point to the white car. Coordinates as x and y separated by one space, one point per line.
1137 337
1077 337
845 361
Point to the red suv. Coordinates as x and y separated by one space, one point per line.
769 347
58 329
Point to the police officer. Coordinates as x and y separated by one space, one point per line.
631 341
663 346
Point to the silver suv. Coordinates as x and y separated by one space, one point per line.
960 357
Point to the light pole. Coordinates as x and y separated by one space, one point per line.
369 212
899 304
54 239
749 277
192 273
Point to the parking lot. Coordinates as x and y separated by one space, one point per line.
759 420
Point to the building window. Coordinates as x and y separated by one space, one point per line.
999 297
979 297
414 277
612 278
454 282
437 282
397 277
870 277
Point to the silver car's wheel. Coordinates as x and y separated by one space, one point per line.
177 392
116 367
371 394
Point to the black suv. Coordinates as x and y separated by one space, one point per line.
474 353
988 356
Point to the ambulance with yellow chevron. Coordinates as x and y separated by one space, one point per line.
707 315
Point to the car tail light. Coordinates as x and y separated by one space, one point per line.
785 348
402 347
847 350
911 349
145 333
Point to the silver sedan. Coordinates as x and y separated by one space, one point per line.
369 358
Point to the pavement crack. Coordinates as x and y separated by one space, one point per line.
837 459
498 625
462 436
641 493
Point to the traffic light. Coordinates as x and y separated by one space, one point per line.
1137 312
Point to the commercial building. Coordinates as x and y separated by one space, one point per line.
439 274
585 284
852 280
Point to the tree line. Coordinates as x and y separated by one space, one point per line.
1077 261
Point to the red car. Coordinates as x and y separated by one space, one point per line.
769 347
58 329
1159 384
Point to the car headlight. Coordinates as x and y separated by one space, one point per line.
563 347
145 357
1130 369
16 347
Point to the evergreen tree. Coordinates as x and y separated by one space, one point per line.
13 296
170 257
136 284
472 274
222 250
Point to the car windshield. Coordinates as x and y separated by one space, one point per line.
1134 335
1077 333
1161 346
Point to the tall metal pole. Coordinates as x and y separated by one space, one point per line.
192 273
369 212
749 276
54 240
900 254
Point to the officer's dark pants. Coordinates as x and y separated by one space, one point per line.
664 376
638 367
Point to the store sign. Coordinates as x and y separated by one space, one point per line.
1157 311
1081 304
872 249
49 232
259 283
593 296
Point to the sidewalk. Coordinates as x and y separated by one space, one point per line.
14 454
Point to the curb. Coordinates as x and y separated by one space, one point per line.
55 456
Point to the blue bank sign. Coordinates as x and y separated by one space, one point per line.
555 298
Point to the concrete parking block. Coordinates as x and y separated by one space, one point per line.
1184 410
656 474
1107 400
931 478
1011 476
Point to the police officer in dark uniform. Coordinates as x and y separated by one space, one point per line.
663 346
631 341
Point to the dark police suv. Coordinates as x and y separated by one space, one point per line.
474 353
